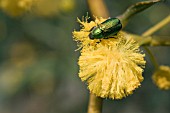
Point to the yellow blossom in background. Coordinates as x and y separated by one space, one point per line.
11 79
112 67
22 54
161 77
52 7
67 5
46 7
16 7
37 7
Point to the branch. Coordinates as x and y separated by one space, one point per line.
157 26
150 32
98 8
95 104
152 40
135 9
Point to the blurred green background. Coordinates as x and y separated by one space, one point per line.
38 61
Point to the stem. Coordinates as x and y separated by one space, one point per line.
134 9
95 104
98 8
152 58
157 26
160 41
150 32
152 40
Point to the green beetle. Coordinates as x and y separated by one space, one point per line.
108 28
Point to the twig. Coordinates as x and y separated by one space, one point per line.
150 32
95 104
152 40
134 9
157 26
98 8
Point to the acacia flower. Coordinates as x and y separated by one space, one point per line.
111 67
16 7
52 7
161 77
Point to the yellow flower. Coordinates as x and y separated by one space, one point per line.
161 77
112 67
53 7
16 7
38 7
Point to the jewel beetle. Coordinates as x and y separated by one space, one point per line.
108 28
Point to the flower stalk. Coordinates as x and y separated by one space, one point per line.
150 32
157 26
100 9
95 104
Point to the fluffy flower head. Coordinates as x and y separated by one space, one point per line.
111 67
161 77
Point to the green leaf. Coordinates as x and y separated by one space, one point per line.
134 9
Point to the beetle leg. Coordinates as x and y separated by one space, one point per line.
92 28
99 41
106 37
113 37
